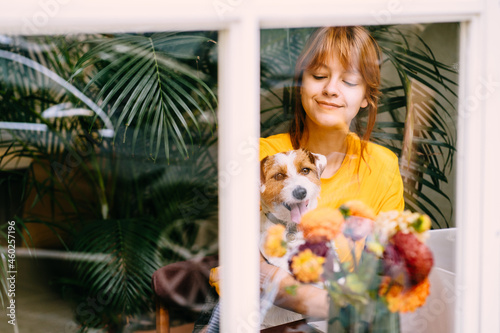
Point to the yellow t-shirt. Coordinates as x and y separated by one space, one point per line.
378 183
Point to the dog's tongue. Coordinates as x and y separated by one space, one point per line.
297 210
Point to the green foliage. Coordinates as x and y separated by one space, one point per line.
279 51
139 205
145 84
121 272
422 131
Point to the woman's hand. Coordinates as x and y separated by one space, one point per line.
302 298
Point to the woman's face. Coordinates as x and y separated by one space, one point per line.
332 95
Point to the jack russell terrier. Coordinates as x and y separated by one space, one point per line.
290 184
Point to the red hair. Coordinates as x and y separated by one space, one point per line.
356 49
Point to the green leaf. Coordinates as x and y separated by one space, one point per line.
176 91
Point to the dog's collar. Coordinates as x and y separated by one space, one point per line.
291 227
274 219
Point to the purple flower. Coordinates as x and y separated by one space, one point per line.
356 227
319 249
416 255
394 265
407 260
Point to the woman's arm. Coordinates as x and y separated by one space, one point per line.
305 299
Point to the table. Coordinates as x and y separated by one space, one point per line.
299 326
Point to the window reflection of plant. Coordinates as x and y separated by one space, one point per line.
415 111
147 199
158 90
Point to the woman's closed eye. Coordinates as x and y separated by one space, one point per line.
319 77
350 83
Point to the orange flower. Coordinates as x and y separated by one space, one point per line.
274 245
400 300
357 208
214 279
307 267
321 224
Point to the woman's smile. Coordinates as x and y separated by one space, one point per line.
328 105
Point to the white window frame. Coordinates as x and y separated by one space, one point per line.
239 21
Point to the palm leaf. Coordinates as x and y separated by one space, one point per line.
141 78
123 276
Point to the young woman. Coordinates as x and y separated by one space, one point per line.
336 76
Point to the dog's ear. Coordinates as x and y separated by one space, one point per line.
320 161
262 172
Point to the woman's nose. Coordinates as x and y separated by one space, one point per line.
331 88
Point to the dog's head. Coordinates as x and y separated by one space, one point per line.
290 183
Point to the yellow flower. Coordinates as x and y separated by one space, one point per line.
422 223
357 208
400 300
274 245
321 224
375 247
307 267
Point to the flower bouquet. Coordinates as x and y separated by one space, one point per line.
373 267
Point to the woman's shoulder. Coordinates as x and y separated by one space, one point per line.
275 144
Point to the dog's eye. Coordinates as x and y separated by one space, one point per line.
279 176
305 171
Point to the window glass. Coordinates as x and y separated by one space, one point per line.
108 167
416 123
109 160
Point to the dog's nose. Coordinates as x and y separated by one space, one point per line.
299 193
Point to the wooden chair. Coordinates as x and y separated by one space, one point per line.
181 286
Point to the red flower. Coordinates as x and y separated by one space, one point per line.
417 257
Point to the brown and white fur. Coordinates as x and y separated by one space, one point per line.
289 186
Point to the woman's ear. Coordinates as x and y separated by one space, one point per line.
364 103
